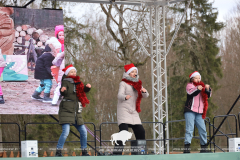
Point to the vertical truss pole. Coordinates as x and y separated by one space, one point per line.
165 77
159 75
152 75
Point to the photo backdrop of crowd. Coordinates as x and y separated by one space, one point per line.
31 59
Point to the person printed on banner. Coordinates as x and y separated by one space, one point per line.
129 96
2 66
58 64
43 70
195 111
59 34
7 31
70 108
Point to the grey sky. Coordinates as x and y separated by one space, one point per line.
224 7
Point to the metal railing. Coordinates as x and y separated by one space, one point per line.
54 123
222 134
164 139
207 121
239 121
19 136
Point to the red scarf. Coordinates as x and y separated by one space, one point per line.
62 43
138 87
205 98
80 90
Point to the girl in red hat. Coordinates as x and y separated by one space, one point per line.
195 110
130 94
70 108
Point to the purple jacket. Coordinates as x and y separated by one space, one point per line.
194 101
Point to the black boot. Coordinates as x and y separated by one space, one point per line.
186 148
36 95
205 149
2 100
47 98
118 149
85 153
58 153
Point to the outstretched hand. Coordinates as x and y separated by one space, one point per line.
88 85
207 86
143 90
63 89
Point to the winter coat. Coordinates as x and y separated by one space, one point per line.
43 66
126 109
68 108
194 101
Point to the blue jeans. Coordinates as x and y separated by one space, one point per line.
65 131
45 84
192 118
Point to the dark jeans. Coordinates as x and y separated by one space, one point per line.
139 133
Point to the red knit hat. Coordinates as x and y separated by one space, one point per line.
129 68
68 69
196 73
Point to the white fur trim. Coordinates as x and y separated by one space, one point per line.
68 70
195 74
54 41
131 69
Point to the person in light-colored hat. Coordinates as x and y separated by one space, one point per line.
70 108
43 70
195 110
130 94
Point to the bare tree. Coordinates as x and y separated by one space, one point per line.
126 49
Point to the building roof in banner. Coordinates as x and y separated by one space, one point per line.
127 2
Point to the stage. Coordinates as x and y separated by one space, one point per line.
195 156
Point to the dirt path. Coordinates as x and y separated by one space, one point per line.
17 96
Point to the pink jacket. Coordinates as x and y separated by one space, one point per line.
194 101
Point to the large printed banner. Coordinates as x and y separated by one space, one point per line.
31 60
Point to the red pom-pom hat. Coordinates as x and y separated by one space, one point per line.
68 69
196 73
129 68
